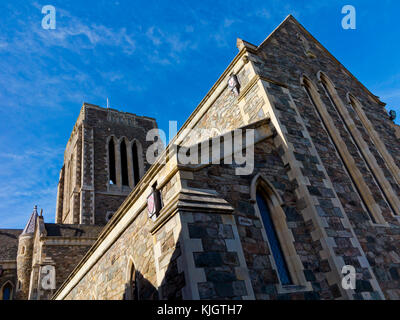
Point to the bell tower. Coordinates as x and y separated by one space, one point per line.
103 161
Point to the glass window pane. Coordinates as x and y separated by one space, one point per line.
7 292
276 249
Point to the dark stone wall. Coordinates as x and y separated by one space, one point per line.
10 275
64 258
217 260
88 146
283 59
118 125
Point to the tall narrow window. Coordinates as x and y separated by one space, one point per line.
380 146
7 292
340 151
70 176
124 164
135 159
362 147
68 182
277 253
111 162
132 287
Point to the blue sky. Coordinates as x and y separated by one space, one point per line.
153 58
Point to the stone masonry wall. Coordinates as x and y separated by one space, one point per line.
217 261
104 124
380 244
9 275
223 115
84 188
108 278
65 258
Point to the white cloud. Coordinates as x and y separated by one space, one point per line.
24 184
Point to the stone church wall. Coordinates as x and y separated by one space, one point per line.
380 244
108 278
222 280
209 243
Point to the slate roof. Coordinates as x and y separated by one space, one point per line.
72 230
9 243
30 226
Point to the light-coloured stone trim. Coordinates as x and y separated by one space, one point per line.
285 236
341 147
361 144
310 212
390 163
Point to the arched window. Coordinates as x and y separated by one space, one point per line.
362 147
111 162
23 250
357 179
275 246
132 292
135 160
7 291
380 146
124 164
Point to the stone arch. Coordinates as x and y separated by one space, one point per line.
136 152
132 283
390 163
123 144
111 159
366 197
363 147
306 81
285 237
7 291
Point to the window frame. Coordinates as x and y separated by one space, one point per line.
283 233
11 290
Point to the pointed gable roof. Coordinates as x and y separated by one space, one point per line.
30 226
291 18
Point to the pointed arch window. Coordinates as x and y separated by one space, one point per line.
362 147
367 201
132 292
380 146
124 164
111 162
135 160
275 246
7 291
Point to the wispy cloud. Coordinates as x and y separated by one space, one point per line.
151 57
28 178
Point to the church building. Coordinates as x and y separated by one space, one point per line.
320 203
